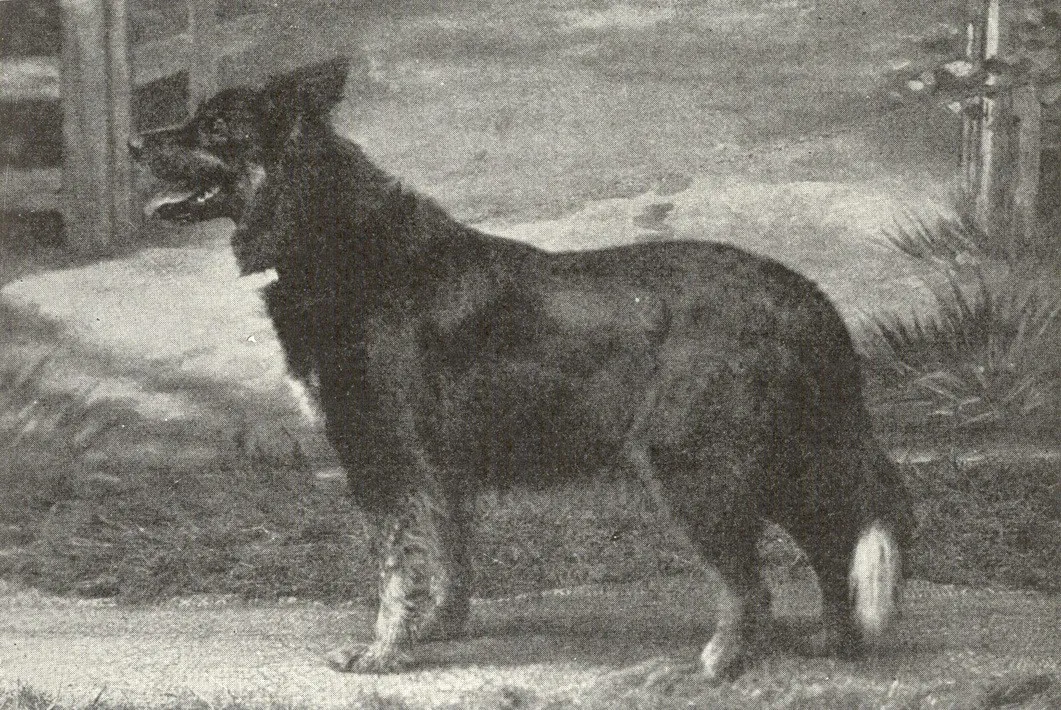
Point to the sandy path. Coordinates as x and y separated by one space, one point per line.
555 645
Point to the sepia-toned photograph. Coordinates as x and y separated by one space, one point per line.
527 354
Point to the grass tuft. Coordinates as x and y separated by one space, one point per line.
945 241
990 353
44 436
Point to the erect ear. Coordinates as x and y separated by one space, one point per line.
309 93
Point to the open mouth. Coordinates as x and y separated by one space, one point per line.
195 205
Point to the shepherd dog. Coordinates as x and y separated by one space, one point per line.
447 362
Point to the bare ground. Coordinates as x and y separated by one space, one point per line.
581 647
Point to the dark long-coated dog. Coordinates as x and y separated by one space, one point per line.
447 360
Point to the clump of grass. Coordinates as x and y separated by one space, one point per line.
43 434
77 518
946 241
28 412
990 354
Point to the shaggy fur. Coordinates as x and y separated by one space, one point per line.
447 360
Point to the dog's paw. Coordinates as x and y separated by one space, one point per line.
372 659
730 653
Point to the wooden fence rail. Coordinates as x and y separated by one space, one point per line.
110 84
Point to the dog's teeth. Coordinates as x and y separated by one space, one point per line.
168 198
209 194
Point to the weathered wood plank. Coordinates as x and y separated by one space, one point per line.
31 190
97 192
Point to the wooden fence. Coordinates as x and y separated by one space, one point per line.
30 123
1011 146
116 66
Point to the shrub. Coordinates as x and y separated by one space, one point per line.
990 354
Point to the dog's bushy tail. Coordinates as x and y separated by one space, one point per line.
875 578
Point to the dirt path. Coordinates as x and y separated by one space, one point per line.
554 646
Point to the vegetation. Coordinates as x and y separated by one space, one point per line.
988 356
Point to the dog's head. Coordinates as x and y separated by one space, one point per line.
218 164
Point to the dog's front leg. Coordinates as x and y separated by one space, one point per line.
446 525
423 557
403 596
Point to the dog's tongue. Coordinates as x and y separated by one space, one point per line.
169 198
172 198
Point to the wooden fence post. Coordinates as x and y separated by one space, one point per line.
1001 143
1027 114
96 125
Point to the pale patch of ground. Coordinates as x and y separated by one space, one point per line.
184 305
557 646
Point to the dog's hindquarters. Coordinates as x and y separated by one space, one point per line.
744 429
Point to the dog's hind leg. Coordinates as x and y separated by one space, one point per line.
724 527
852 549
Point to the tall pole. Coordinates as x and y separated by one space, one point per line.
97 192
